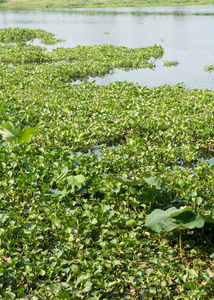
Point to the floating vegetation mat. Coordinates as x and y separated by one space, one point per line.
72 226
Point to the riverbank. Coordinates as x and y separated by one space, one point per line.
33 4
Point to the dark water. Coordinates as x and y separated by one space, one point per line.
186 33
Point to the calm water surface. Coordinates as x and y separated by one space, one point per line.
186 33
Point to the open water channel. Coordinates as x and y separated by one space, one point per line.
185 32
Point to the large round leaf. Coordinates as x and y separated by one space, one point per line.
174 218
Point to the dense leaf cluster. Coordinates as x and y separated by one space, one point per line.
72 223
22 35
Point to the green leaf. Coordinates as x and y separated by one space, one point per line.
79 178
94 221
27 134
54 288
82 278
31 226
153 180
63 295
88 286
113 283
76 181
42 272
155 220
150 180
56 222
130 223
11 134
174 218
8 132
188 219
55 193
192 273
133 183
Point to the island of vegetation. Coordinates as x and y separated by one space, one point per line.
106 192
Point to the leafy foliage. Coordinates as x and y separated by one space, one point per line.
209 68
174 218
73 222
168 63
78 62
14 35
11 134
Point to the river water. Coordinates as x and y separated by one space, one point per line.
185 32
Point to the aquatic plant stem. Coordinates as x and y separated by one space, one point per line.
180 246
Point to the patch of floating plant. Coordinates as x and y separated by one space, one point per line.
168 63
78 63
209 68
15 35
85 202
82 58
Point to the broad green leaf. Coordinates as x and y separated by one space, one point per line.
11 134
187 219
149 271
27 134
54 288
153 181
82 278
8 132
184 221
31 226
174 218
155 220
78 180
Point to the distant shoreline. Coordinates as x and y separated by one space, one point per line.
34 4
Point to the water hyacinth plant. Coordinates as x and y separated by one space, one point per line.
11 134
77 225
168 63
23 35
209 68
